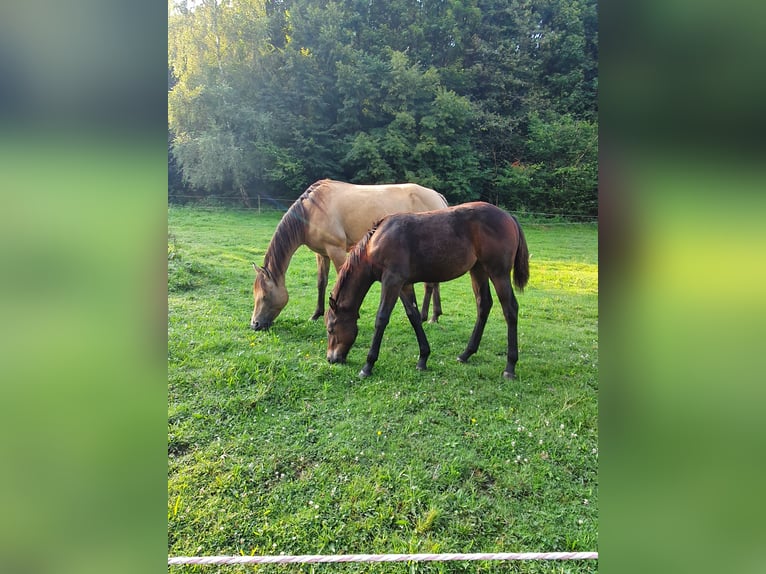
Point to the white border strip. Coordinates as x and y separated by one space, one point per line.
314 558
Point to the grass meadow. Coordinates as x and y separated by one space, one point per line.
273 450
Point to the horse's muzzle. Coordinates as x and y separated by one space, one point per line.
258 326
335 357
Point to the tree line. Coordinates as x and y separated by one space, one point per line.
478 99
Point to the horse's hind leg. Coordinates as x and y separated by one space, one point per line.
323 269
507 299
480 285
431 288
407 295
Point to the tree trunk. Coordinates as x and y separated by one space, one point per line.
245 197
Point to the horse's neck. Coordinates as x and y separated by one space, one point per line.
280 251
356 287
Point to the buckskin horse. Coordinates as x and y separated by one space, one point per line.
329 218
435 246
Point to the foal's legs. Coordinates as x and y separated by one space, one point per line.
507 299
407 295
323 268
480 286
388 294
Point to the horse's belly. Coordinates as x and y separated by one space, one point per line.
444 267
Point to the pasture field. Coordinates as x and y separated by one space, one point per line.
273 450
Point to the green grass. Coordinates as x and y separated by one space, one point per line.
271 449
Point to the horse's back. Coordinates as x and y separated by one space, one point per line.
350 210
442 245
382 198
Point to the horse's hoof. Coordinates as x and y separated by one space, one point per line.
462 359
364 373
316 316
421 367
509 375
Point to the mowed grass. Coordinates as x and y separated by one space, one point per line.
273 450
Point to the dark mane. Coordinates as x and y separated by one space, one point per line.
290 233
355 258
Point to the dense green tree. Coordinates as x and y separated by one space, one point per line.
477 98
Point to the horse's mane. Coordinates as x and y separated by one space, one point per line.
290 233
356 257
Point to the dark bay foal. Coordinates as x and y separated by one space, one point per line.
433 246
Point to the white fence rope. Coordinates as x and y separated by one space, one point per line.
314 558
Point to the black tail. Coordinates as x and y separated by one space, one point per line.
521 263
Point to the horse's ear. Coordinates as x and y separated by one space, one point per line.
262 270
333 304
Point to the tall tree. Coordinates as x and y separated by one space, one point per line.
492 99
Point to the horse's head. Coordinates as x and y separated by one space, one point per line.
269 296
341 332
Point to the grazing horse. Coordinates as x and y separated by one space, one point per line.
434 246
329 218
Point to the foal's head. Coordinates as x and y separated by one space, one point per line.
269 296
341 332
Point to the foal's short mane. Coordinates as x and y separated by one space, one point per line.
355 258
290 233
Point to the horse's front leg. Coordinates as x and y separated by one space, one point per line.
323 268
388 295
407 295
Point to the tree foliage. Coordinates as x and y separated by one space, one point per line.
485 99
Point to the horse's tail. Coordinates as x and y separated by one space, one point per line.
521 263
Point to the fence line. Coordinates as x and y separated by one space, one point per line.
326 558
229 202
